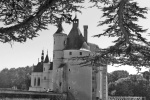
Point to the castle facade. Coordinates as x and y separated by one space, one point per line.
67 75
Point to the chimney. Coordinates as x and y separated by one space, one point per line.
85 32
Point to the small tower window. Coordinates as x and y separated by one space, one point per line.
38 81
93 78
64 42
53 55
80 53
60 84
93 90
35 82
70 53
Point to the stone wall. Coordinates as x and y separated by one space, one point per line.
28 95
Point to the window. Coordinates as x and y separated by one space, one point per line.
93 90
44 69
38 81
69 87
44 77
64 42
80 53
70 53
60 84
35 82
53 55
69 69
93 78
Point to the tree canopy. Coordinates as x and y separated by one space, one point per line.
22 19
133 85
19 77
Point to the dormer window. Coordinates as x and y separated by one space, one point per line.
80 53
70 53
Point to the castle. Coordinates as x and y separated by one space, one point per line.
66 75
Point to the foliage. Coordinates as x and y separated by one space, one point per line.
24 18
146 75
130 47
134 85
22 22
19 78
115 75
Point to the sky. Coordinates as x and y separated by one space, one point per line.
28 53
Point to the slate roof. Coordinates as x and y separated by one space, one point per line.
46 59
38 67
75 38
51 66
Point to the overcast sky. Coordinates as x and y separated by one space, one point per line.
23 54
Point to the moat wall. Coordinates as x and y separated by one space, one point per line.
29 95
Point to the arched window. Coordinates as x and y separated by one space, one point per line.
35 82
38 81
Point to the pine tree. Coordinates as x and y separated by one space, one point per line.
130 48
24 18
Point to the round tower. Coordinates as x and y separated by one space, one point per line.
58 54
59 44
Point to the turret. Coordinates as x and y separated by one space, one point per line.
42 56
46 64
59 44
60 39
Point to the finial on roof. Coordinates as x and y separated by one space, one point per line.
42 56
75 21
47 52
59 26
75 17
46 58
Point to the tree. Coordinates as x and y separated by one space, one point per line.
121 16
24 18
134 85
146 75
19 77
115 75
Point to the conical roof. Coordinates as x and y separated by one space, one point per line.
60 29
38 67
46 59
75 38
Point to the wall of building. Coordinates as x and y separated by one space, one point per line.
35 84
103 83
68 54
47 78
59 45
79 82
